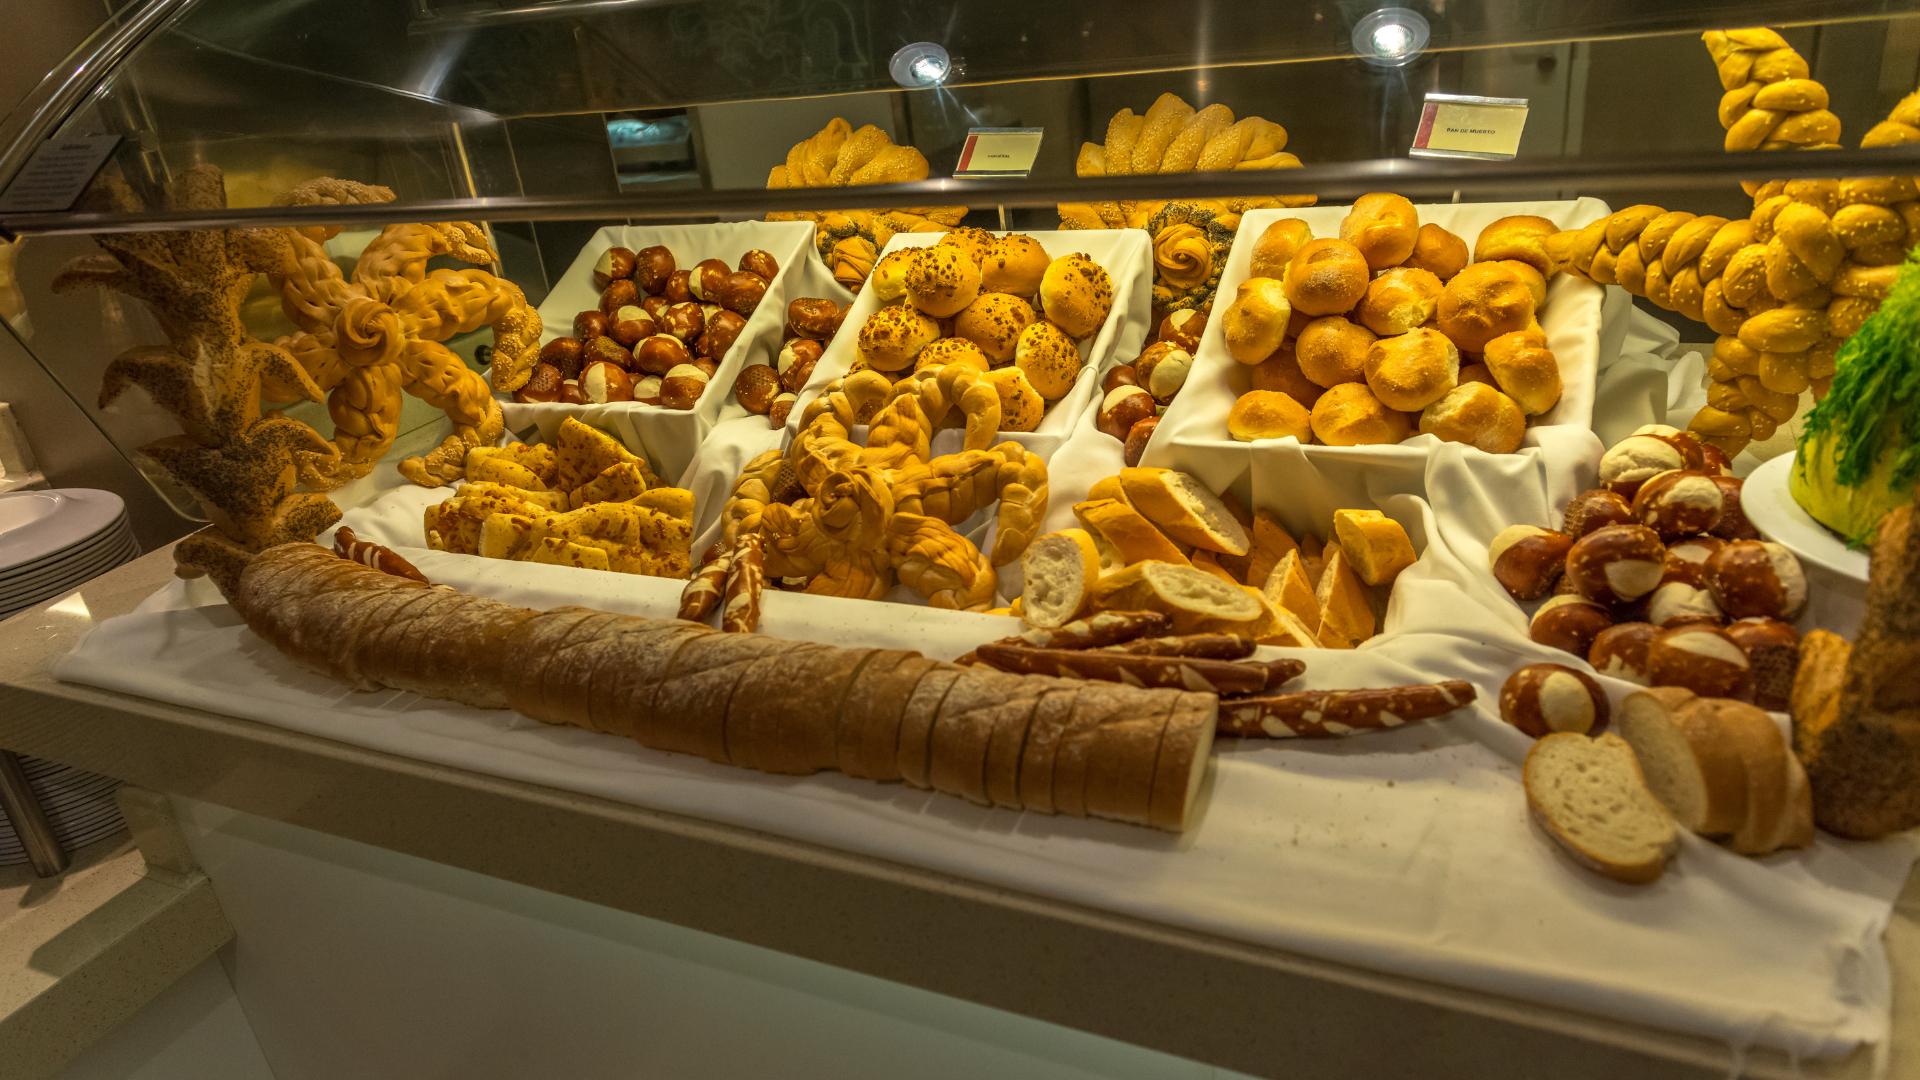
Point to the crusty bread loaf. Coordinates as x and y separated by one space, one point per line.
745 699
1184 509
1123 535
1589 795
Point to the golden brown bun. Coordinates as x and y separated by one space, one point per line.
1268 414
1536 281
1076 293
1383 226
1349 415
942 280
1399 300
1413 370
1281 372
1021 406
1256 322
1331 350
1049 359
994 322
1523 367
1476 373
1327 277
892 336
1013 263
1521 236
974 242
1478 415
1277 246
889 278
1482 302
951 350
1438 251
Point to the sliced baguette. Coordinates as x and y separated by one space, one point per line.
1181 768
1287 588
1764 755
1184 509
1346 611
1192 598
1122 536
1692 768
1590 796
1057 574
1375 545
1208 561
1271 543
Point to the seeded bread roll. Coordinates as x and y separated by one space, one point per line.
1076 294
1412 370
1049 358
942 280
1326 277
1383 226
1021 406
1013 263
1478 415
994 322
893 336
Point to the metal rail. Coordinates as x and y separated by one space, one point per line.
22 808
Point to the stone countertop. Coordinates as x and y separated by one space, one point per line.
1251 1009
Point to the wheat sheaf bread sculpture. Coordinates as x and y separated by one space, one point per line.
1785 285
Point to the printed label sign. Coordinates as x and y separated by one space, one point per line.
57 174
1458 125
999 152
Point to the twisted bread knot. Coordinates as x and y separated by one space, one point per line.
940 564
1770 103
838 156
367 333
853 507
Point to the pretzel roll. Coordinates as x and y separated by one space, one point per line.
1013 263
1525 370
1478 415
892 336
1076 293
942 280
1438 252
1399 300
994 322
1410 371
1383 227
1255 323
1522 237
1049 358
1483 301
1349 415
1331 350
1277 245
1326 277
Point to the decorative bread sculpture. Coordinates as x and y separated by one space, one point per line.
1785 285
1190 237
839 156
850 520
1018 741
369 339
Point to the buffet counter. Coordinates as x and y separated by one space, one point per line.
1207 999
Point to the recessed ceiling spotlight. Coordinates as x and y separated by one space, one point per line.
1391 37
920 65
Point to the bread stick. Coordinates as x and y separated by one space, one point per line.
703 590
746 577
367 553
1319 714
1201 646
1173 672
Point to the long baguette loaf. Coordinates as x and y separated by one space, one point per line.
745 699
1317 714
1132 669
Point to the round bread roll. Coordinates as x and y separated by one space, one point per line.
891 337
1483 301
1327 277
1525 369
1413 370
1076 293
1383 226
1281 372
1021 406
1331 350
951 350
1437 251
942 280
889 277
1349 415
1520 236
1477 373
1013 263
1256 322
1268 414
1478 415
1399 300
994 322
1049 359
1277 246
973 242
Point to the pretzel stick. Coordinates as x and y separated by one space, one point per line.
746 578
1202 646
1092 632
702 593
1177 672
367 553
1319 714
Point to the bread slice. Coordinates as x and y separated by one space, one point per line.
1271 542
1057 573
621 696
981 701
1184 509
690 706
1796 824
1180 770
1764 755
1693 770
1206 560
1008 747
1123 537
1375 545
1120 764
1590 796
1053 720
1346 611
792 732
868 735
1094 708
1313 557
1192 597
916 723
1286 587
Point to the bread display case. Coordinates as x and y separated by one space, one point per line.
1280 493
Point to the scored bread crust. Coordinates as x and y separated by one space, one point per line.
1715 800
767 675
1180 770
793 730
916 723
619 693
1120 763
868 733
700 684
978 701
1542 801
1007 751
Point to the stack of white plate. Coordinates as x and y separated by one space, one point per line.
52 542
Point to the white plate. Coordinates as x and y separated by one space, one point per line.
112 539
35 524
1773 511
